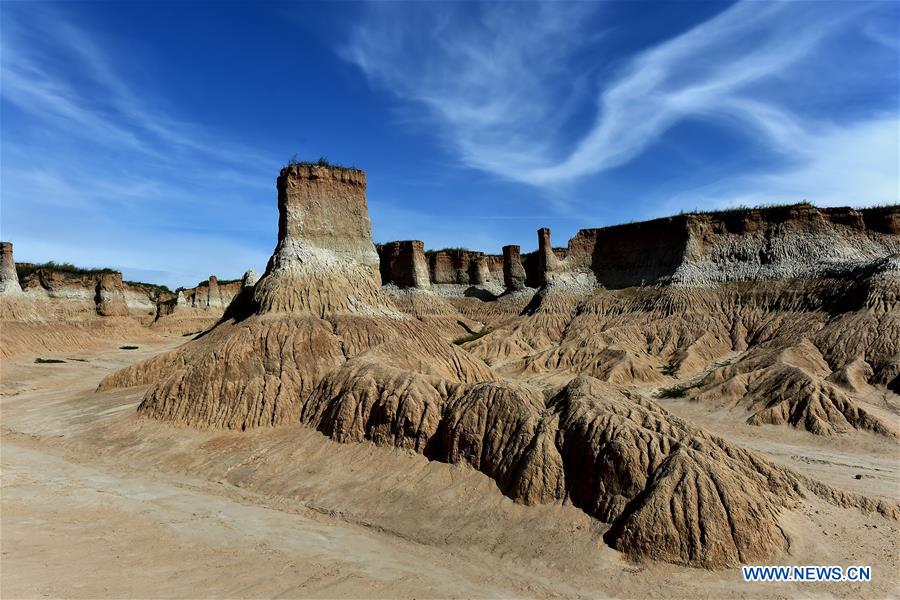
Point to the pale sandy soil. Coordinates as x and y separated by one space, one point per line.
97 502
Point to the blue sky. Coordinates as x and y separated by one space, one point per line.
147 136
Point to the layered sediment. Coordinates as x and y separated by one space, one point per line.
464 267
403 264
110 296
9 279
785 242
55 310
196 309
318 304
317 340
513 269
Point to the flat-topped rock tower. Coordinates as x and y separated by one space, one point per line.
325 260
513 269
403 264
9 280
111 296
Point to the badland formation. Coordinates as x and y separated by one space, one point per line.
548 372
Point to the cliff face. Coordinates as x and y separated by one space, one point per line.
320 343
195 309
110 296
403 264
210 294
104 293
9 280
464 267
758 244
513 270
325 260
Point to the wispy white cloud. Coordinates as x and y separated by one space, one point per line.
854 165
117 180
493 88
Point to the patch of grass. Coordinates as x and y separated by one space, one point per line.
471 337
77 359
671 369
25 269
452 249
48 361
152 286
673 392
743 209
322 162
128 347
677 391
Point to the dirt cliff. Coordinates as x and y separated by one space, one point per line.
464 267
64 308
9 280
513 269
110 296
318 341
318 304
196 309
403 264
738 245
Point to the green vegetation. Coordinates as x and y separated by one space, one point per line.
673 392
671 369
471 337
206 283
48 361
451 249
743 208
25 269
153 286
677 391
128 347
322 162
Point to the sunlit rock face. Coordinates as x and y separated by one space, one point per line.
9 281
403 264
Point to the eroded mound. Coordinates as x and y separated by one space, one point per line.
318 304
670 490
741 332
318 341
790 386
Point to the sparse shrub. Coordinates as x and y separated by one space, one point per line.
48 361
158 288
671 369
322 162
471 337
128 347
673 392
448 249
25 269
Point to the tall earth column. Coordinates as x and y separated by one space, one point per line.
9 280
546 258
513 269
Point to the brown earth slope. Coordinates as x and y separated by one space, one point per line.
317 341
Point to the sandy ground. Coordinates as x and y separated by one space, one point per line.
97 502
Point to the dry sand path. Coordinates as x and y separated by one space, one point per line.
97 502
